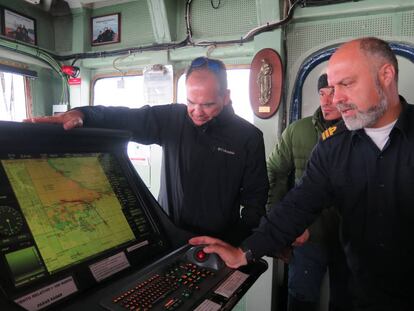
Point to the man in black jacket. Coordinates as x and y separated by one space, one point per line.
365 167
213 161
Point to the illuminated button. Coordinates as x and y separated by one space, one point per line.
201 256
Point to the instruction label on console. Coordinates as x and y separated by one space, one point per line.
47 295
109 266
231 284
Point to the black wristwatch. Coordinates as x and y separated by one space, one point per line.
248 254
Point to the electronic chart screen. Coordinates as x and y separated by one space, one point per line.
59 210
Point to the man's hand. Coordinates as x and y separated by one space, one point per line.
302 239
70 119
233 257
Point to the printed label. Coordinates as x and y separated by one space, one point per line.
109 266
45 296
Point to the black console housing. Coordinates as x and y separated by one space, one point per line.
80 230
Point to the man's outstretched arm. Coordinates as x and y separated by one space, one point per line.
69 119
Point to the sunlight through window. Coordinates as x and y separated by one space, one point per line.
12 97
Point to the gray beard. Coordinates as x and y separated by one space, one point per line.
367 118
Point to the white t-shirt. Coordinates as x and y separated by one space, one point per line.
380 135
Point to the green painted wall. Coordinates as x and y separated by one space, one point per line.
171 7
47 90
136 25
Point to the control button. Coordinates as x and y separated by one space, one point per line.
201 256
203 260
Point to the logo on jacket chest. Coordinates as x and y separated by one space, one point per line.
225 150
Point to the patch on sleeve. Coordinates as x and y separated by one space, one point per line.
329 132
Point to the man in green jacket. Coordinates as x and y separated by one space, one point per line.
310 260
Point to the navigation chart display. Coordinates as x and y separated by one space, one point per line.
73 206
67 203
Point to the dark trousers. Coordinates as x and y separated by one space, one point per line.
307 268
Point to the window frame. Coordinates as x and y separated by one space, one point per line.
28 96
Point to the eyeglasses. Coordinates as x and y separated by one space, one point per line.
212 64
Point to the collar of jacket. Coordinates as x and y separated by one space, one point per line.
403 121
320 123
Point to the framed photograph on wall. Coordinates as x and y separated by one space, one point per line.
18 26
106 29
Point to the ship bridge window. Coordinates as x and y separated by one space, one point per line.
13 103
128 91
238 84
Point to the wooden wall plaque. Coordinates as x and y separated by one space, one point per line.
265 83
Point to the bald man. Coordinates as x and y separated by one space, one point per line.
365 168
